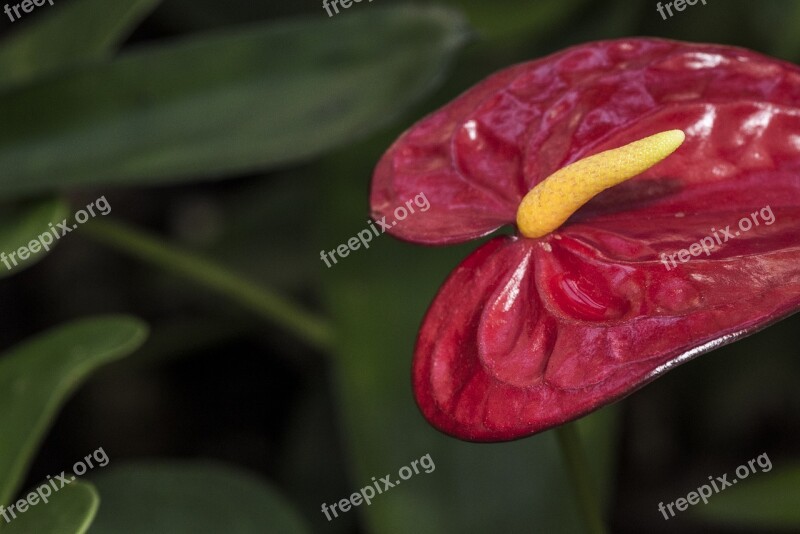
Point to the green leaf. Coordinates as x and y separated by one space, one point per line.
507 20
188 15
38 376
68 511
762 501
22 224
70 33
229 102
191 498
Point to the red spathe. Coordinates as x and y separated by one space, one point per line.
527 334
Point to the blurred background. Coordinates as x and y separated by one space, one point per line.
316 419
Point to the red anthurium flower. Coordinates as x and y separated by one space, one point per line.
542 327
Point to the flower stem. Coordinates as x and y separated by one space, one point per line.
263 302
578 468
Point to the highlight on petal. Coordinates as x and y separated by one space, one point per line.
529 334
477 157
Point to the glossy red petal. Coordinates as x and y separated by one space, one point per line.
476 157
528 334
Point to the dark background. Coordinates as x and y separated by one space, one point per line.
215 382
